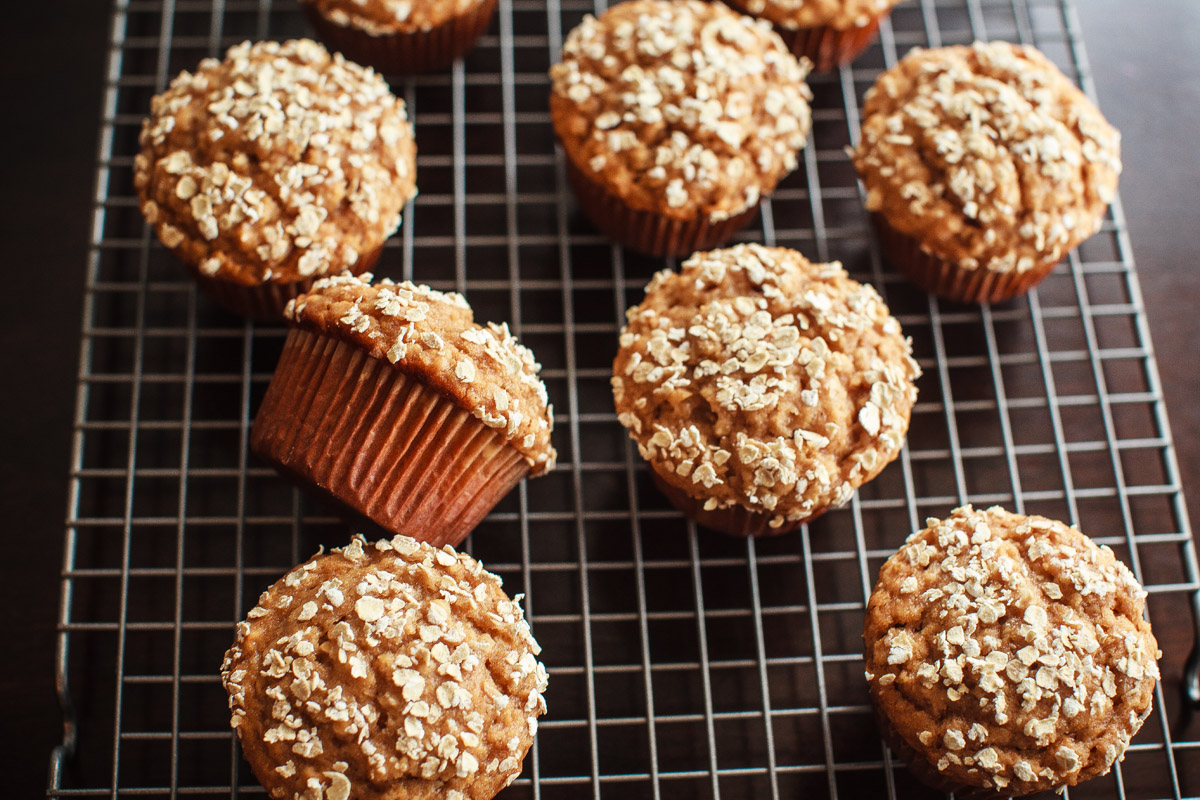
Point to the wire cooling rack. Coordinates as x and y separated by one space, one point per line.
683 663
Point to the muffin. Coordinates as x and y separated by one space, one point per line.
983 166
676 118
273 167
1008 654
401 36
391 400
391 670
828 33
762 388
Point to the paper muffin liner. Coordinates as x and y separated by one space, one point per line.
647 231
381 442
266 301
735 520
945 278
406 53
825 46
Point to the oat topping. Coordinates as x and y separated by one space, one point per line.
839 14
755 377
433 335
1021 650
403 663
276 164
988 155
680 106
384 17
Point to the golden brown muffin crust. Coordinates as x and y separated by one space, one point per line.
384 17
839 14
388 671
278 163
433 335
680 107
755 377
987 155
1010 651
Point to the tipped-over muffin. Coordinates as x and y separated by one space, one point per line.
827 32
389 671
401 36
762 388
983 165
1008 653
676 117
275 166
392 400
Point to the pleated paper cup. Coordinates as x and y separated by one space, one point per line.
825 46
265 302
406 53
947 279
735 520
650 232
381 442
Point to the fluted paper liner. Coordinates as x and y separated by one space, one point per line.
266 301
406 53
825 46
381 441
647 231
947 279
736 520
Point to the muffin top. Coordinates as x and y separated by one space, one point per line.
987 155
755 377
432 335
680 107
384 17
1010 650
391 670
279 163
838 14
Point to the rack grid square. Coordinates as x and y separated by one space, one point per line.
683 663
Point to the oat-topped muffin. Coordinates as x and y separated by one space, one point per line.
828 32
401 36
676 117
762 388
391 399
983 166
388 671
277 165
1009 653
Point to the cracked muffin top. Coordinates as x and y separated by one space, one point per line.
987 155
385 671
1010 651
755 377
279 163
681 107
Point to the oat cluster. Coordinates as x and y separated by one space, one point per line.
987 155
838 14
433 335
278 163
680 107
1011 651
387 670
385 17
754 377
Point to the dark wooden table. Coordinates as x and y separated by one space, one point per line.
1146 67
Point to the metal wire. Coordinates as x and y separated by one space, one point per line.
683 664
